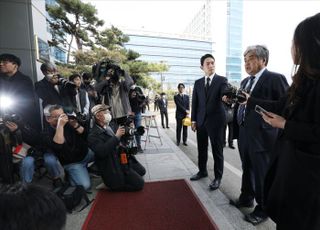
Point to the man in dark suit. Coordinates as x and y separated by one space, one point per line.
163 106
182 110
208 119
256 138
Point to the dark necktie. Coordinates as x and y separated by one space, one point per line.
251 81
242 108
207 85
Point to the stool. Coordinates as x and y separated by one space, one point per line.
150 122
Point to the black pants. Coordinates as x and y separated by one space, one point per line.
184 131
230 133
164 114
254 166
217 150
132 179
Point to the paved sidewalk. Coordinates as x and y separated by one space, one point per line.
167 161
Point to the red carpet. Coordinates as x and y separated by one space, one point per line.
163 205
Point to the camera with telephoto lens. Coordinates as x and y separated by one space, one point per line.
127 139
131 131
66 83
105 68
234 94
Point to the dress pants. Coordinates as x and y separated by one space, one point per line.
254 165
184 131
164 114
217 150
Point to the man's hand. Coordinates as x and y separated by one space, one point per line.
226 99
274 120
247 98
62 120
120 132
73 122
194 126
11 126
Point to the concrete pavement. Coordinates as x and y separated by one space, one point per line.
167 161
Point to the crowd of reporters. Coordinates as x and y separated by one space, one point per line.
278 150
70 107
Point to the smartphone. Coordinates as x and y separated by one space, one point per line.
261 111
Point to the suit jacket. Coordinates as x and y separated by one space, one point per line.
292 185
182 105
208 110
270 86
163 106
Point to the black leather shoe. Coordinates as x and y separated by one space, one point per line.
255 219
198 176
178 143
241 204
185 144
215 184
168 127
231 147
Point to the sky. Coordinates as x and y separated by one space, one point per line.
270 23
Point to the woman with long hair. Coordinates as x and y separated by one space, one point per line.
292 185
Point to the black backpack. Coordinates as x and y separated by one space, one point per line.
72 196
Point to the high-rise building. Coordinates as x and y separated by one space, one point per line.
234 40
200 25
224 18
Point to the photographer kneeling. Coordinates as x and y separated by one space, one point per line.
117 174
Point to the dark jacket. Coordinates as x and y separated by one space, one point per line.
50 96
182 105
270 86
163 106
105 146
73 150
208 110
19 88
292 185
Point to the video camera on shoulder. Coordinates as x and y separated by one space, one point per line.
234 94
108 68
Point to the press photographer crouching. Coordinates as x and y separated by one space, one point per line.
67 139
112 89
119 169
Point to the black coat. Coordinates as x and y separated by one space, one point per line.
19 88
50 96
292 185
104 145
182 105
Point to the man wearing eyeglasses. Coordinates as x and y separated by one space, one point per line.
19 88
67 139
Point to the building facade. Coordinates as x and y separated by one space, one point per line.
181 55
234 40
